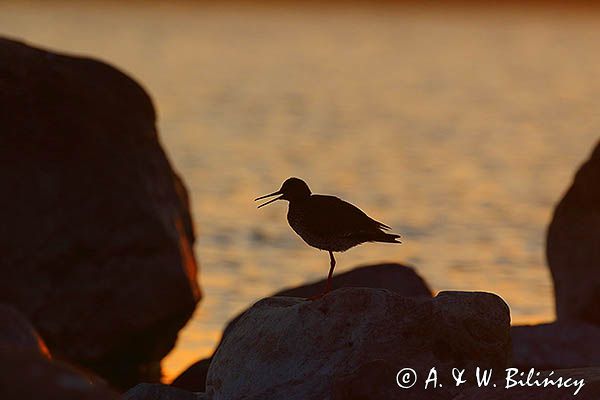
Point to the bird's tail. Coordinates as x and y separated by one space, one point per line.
387 238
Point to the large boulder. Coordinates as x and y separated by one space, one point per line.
371 381
573 246
194 377
398 278
558 345
27 375
96 231
147 391
296 349
17 334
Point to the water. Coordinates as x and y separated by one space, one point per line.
461 129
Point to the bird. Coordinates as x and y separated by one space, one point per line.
327 222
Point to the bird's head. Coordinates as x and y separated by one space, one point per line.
293 189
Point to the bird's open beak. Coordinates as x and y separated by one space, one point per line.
269 195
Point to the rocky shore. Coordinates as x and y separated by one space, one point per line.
97 234
99 276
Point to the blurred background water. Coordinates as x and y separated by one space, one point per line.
459 127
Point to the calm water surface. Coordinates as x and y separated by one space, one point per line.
459 129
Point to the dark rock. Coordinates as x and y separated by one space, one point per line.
573 246
371 381
194 377
96 235
398 278
27 375
295 349
590 390
17 334
556 346
146 391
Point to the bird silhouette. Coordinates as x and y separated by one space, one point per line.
327 222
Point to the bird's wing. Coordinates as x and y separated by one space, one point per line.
333 216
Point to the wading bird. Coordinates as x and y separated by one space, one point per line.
327 222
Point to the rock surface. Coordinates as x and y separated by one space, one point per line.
194 377
295 349
590 390
96 235
398 278
146 391
17 334
556 346
573 246
371 381
26 375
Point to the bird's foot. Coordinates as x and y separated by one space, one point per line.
327 290
316 297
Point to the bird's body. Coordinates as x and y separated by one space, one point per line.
327 222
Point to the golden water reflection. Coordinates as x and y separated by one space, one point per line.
458 129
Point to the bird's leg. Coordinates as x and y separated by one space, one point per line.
328 284
332 263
